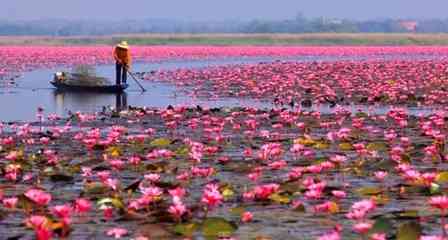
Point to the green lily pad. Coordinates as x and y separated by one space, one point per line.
117 203
409 231
215 227
95 189
290 187
182 151
282 199
61 178
382 225
160 142
377 146
321 145
442 177
408 214
237 211
186 229
369 191
346 146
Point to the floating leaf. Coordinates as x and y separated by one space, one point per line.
237 211
61 178
305 141
345 146
434 188
263 238
405 158
182 151
282 199
382 225
186 229
377 146
333 207
290 187
215 227
321 145
160 142
155 231
95 188
55 226
442 178
156 167
114 151
409 231
227 192
414 214
381 199
117 203
368 191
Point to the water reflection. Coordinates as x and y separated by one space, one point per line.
83 101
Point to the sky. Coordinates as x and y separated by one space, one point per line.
203 10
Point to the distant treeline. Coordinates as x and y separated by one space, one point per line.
299 24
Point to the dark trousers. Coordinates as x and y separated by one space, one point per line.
121 74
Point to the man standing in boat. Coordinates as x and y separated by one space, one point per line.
122 58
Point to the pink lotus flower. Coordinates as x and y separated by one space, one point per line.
82 205
265 191
10 202
360 209
211 196
64 212
339 194
334 235
117 232
378 236
246 217
38 196
39 223
380 175
177 192
362 227
440 202
177 209
432 238
108 212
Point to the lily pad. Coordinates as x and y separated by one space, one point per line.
227 192
369 191
114 151
237 211
215 227
321 145
61 178
442 177
182 151
282 199
186 229
117 203
160 142
345 146
408 214
382 225
377 146
305 141
95 188
409 231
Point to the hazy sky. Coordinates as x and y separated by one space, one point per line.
221 9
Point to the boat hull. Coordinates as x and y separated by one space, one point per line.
100 89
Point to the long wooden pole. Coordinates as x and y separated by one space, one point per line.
135 79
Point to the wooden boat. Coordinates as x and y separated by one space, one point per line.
73 82
105 89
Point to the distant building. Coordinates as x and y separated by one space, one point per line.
411 26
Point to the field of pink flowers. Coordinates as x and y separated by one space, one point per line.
25 58
236 173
